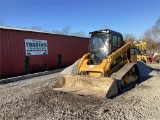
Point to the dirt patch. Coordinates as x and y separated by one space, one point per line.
46 103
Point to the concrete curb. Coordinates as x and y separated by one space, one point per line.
14 79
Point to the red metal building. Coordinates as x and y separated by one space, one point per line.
12 50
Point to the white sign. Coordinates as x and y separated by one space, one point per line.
36 47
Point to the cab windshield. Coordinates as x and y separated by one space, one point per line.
99 46
98 40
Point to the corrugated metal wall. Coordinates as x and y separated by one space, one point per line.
12 50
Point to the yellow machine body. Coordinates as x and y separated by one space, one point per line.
141 47
104 69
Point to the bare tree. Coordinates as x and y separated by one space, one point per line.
158 24
156 30
44 28
57 32
66 30
129 37
152 36
79 34
36 27
148 35
47 28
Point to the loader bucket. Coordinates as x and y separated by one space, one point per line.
87 85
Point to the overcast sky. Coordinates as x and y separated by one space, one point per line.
125 16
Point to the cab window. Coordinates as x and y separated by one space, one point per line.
119 42
114 41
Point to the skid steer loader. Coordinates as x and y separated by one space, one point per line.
142 52
109 67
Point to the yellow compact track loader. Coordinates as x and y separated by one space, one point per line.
109 67
142 52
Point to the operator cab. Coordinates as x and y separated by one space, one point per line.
103 43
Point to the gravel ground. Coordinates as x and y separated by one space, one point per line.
35 99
